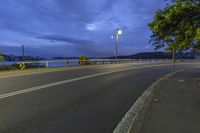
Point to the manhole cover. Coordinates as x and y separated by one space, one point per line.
155 100
181 80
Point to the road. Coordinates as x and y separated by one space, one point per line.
90 99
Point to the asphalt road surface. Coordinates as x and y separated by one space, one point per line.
90 99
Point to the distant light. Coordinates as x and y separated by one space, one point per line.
119 32
112 37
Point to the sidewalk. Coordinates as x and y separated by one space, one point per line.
176 105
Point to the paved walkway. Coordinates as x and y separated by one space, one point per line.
176 105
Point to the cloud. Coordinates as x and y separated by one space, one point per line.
84 47
60 38
85 24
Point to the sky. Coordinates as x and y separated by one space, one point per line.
50 28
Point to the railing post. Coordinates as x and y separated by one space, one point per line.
47 64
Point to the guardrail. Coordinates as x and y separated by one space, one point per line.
62 63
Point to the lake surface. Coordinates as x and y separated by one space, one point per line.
52 63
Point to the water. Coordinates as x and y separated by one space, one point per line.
56 63
62 64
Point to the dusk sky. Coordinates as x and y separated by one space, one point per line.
75 27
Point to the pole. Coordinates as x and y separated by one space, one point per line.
117 39
23 52
174 54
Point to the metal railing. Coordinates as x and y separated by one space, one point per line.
62 63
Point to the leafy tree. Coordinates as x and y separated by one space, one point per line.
177 27
197 37
196 45
1 57
193 1
84 60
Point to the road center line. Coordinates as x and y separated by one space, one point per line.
14 93
53 70
39 72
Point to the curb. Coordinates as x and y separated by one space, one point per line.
131 122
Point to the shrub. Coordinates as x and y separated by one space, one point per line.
84 60
1 57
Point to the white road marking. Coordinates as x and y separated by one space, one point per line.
14 93
68 68
31 73
181 80
56 70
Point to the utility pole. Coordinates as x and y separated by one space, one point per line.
119 32
23 52
116 48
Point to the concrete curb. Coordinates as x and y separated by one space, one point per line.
131 122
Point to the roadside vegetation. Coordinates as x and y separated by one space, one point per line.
1 57
176 28
84 60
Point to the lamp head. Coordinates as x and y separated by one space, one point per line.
119 31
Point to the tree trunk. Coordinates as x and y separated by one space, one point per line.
174 59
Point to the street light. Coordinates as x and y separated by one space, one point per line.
119 32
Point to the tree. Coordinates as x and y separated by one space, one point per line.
196 46
177 26
193 1
84 60
1 57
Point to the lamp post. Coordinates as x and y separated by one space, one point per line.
119 32
23 53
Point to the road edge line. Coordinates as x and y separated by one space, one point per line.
131 122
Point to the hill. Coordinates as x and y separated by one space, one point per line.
158 55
